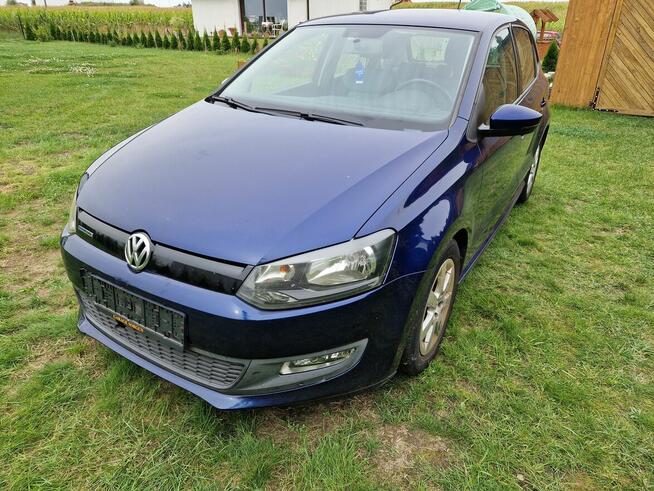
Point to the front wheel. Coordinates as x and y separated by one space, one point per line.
428 330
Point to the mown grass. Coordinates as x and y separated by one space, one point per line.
545 380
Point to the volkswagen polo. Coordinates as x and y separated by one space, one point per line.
301 232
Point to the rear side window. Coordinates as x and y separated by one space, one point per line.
500 76
526 57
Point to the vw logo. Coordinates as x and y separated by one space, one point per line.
138 250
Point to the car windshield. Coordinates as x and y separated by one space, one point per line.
377 76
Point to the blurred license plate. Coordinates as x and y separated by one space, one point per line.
137 313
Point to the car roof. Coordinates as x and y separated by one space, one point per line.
445 18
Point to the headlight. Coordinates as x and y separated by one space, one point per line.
320 276
72 215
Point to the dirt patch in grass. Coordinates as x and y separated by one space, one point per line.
401 450
83 353
27 264
286 425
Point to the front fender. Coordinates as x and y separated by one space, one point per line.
432 205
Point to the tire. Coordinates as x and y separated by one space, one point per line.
530 178
421 348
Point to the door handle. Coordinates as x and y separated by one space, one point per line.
543 103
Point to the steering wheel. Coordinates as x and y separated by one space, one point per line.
435 85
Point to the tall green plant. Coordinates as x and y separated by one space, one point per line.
206 42
157 39
236 41
165 41
551 57
225 43
215 41
190 44
197 42
245 45
173 41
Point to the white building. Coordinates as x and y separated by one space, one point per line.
269 15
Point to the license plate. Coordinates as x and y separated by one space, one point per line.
137 313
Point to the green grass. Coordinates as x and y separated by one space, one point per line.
545 380
559 8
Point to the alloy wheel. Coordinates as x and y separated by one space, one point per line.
438 305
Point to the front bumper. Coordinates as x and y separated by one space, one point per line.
223 326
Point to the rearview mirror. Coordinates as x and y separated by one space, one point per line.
511 120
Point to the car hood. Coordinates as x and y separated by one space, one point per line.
248 187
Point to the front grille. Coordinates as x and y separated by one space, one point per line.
212 274
203 368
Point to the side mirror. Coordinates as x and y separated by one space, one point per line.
511 120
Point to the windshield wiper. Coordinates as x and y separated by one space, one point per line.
309 116
231 102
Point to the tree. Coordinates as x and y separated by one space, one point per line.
551 58
173 41
225 44
190 44
197 41
157 39
255 45
165 42
150 40
215 44
206 42
236 41
245 45
143 40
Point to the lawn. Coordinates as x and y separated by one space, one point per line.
545 380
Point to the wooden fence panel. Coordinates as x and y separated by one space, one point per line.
587 27
626 82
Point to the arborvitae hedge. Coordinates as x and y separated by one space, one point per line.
157 39
165 42
236 42
215 41
173 41
197 42
225 44
245 45
255 45
206 42
150 40
551 58
265 42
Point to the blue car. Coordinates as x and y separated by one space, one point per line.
301 233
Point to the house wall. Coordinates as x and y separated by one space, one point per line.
221 14
297 9
216 14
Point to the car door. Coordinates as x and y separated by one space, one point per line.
503 157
